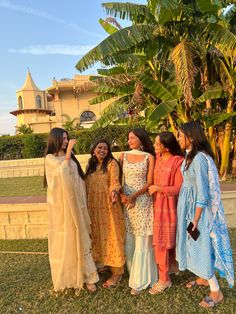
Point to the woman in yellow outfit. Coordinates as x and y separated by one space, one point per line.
108 228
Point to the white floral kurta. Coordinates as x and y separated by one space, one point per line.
139 219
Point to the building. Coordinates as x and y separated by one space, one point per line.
65 101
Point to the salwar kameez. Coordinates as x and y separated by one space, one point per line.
167 175
139 227
211 252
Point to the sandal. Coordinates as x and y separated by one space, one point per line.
109 284
208 302
135 292
159 288
91 287
194 283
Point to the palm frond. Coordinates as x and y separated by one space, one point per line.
128 11
158 89
217 118
163 109
183 58
209 6
110 29
117 42
111 113
212 92
112 71
101 98
223 39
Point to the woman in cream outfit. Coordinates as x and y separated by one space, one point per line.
69 224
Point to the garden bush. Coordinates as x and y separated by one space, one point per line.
34 145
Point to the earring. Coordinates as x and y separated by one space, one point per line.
141 147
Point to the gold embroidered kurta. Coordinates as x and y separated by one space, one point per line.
107 219
69 242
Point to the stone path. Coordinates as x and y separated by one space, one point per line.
42 198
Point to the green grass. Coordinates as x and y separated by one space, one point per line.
25 287
22 186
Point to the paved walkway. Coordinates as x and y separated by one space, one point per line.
42 198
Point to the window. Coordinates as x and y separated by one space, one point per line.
38 101
20 102
87 116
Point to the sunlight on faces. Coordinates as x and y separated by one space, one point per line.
133 141
64 142
101 151
184 141
159 148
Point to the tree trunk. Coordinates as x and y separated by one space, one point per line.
226 146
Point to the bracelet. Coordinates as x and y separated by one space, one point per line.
67 158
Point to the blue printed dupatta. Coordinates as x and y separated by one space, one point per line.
219 232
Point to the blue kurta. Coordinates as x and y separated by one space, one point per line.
196 256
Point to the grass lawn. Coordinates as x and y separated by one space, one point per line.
22 186
25 287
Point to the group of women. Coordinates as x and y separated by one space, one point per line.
137 211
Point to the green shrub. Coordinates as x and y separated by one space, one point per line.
34 145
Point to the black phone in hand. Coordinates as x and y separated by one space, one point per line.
194 234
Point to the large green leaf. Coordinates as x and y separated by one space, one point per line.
120 41
112 71
163 109
209 6
101 98
123 90
158 89
130 11
223 39
123 58
213 92
111 113
217 118
110 29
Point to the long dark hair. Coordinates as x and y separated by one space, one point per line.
145 140
55 140
93 161
194 132
169 141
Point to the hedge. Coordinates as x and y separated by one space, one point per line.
34 145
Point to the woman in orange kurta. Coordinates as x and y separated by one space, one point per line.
107 219
167 183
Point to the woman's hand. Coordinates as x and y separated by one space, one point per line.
71 144
123 199
113 197
195 224
152 189
131 200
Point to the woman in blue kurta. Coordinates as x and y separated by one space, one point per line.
199 203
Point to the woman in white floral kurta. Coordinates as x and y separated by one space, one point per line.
138 165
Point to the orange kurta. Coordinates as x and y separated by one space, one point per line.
107 219
168 175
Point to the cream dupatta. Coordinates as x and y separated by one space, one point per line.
69 224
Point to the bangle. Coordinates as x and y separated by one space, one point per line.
67 158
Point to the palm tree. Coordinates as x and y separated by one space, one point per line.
176 51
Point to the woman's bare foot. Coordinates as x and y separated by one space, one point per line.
112 282
91 287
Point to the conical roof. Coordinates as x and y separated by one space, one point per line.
29 84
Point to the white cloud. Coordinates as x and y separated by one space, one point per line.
28 10
71 50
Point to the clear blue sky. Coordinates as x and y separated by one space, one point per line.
48 37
